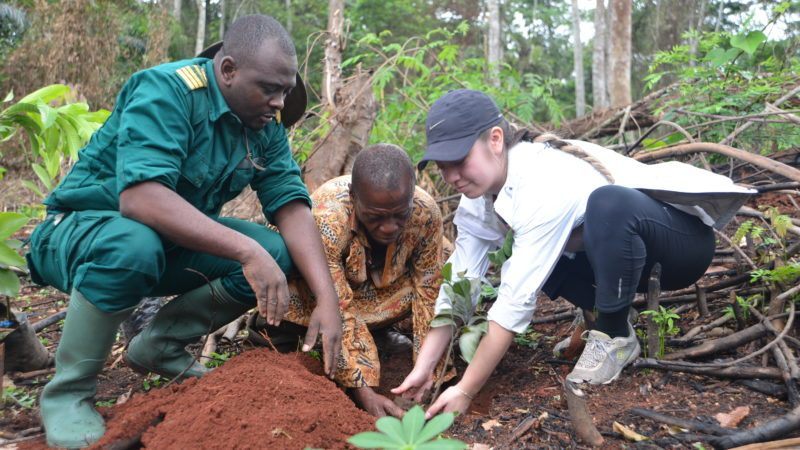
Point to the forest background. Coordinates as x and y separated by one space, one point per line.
373 67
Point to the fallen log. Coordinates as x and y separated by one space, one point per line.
47 321
709 147
771 430
719 345
765 387
683 423
737 372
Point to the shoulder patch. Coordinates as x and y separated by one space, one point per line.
193 76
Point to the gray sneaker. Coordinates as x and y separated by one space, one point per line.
603 358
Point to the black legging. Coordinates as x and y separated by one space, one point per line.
625 233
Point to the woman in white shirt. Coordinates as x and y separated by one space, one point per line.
588 225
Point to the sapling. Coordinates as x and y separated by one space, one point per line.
410 433
665 319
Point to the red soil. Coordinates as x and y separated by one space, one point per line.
259 399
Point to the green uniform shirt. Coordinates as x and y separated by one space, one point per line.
172 125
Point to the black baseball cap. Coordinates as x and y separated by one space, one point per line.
294 105
454 123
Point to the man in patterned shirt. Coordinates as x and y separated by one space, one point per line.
383 241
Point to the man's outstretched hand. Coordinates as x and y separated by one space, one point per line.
325 320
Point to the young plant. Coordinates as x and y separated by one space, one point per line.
410 433
528 338
465 314
19 396
665 319
217 359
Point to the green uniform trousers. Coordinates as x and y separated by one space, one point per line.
114 261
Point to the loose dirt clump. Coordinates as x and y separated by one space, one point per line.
259 399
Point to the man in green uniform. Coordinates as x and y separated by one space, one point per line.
138 216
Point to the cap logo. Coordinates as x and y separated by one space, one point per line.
436 124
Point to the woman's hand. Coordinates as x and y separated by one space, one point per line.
454 399
416 384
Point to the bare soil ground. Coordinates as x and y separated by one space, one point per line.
525 389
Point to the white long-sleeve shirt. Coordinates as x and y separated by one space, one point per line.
544 199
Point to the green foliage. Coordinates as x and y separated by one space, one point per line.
410 433
501 255
411 75
218 359
152 381
105 403
665 319
56 127
13 394
744 306
466 313
783 275
528 338
730 74
10 223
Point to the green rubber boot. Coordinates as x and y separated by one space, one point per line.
67 402
161 347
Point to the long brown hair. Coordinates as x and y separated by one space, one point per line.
513 134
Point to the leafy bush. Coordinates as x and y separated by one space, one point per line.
410 433
55 133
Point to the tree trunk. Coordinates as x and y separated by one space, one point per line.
177 6
288 6
200 41
349 133
350 109
331 79
577 54
221 19
619 69
599 85
494 53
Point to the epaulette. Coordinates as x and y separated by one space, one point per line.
194 76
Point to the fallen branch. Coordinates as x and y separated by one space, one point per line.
554 318
719 345
782 444
771 430
728 139
765 387
708 147
683 423
47 321
579 415
738 372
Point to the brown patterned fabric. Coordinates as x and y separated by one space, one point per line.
372 298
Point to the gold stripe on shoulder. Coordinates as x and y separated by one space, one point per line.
193 76
201 74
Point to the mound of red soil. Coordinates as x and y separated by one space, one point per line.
259 399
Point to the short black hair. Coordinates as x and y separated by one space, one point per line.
383 167
246 35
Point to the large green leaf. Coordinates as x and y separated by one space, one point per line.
33 187
413 421
44 177
748 42
447 272
372 439
468 343
46 94
9 257
435 426
9 283
10 222
48 115
392 428
445 317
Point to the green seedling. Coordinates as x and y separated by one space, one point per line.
528 338
19 396
217 359
665 319
152 381
744 306
410 433
105 403
466 313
